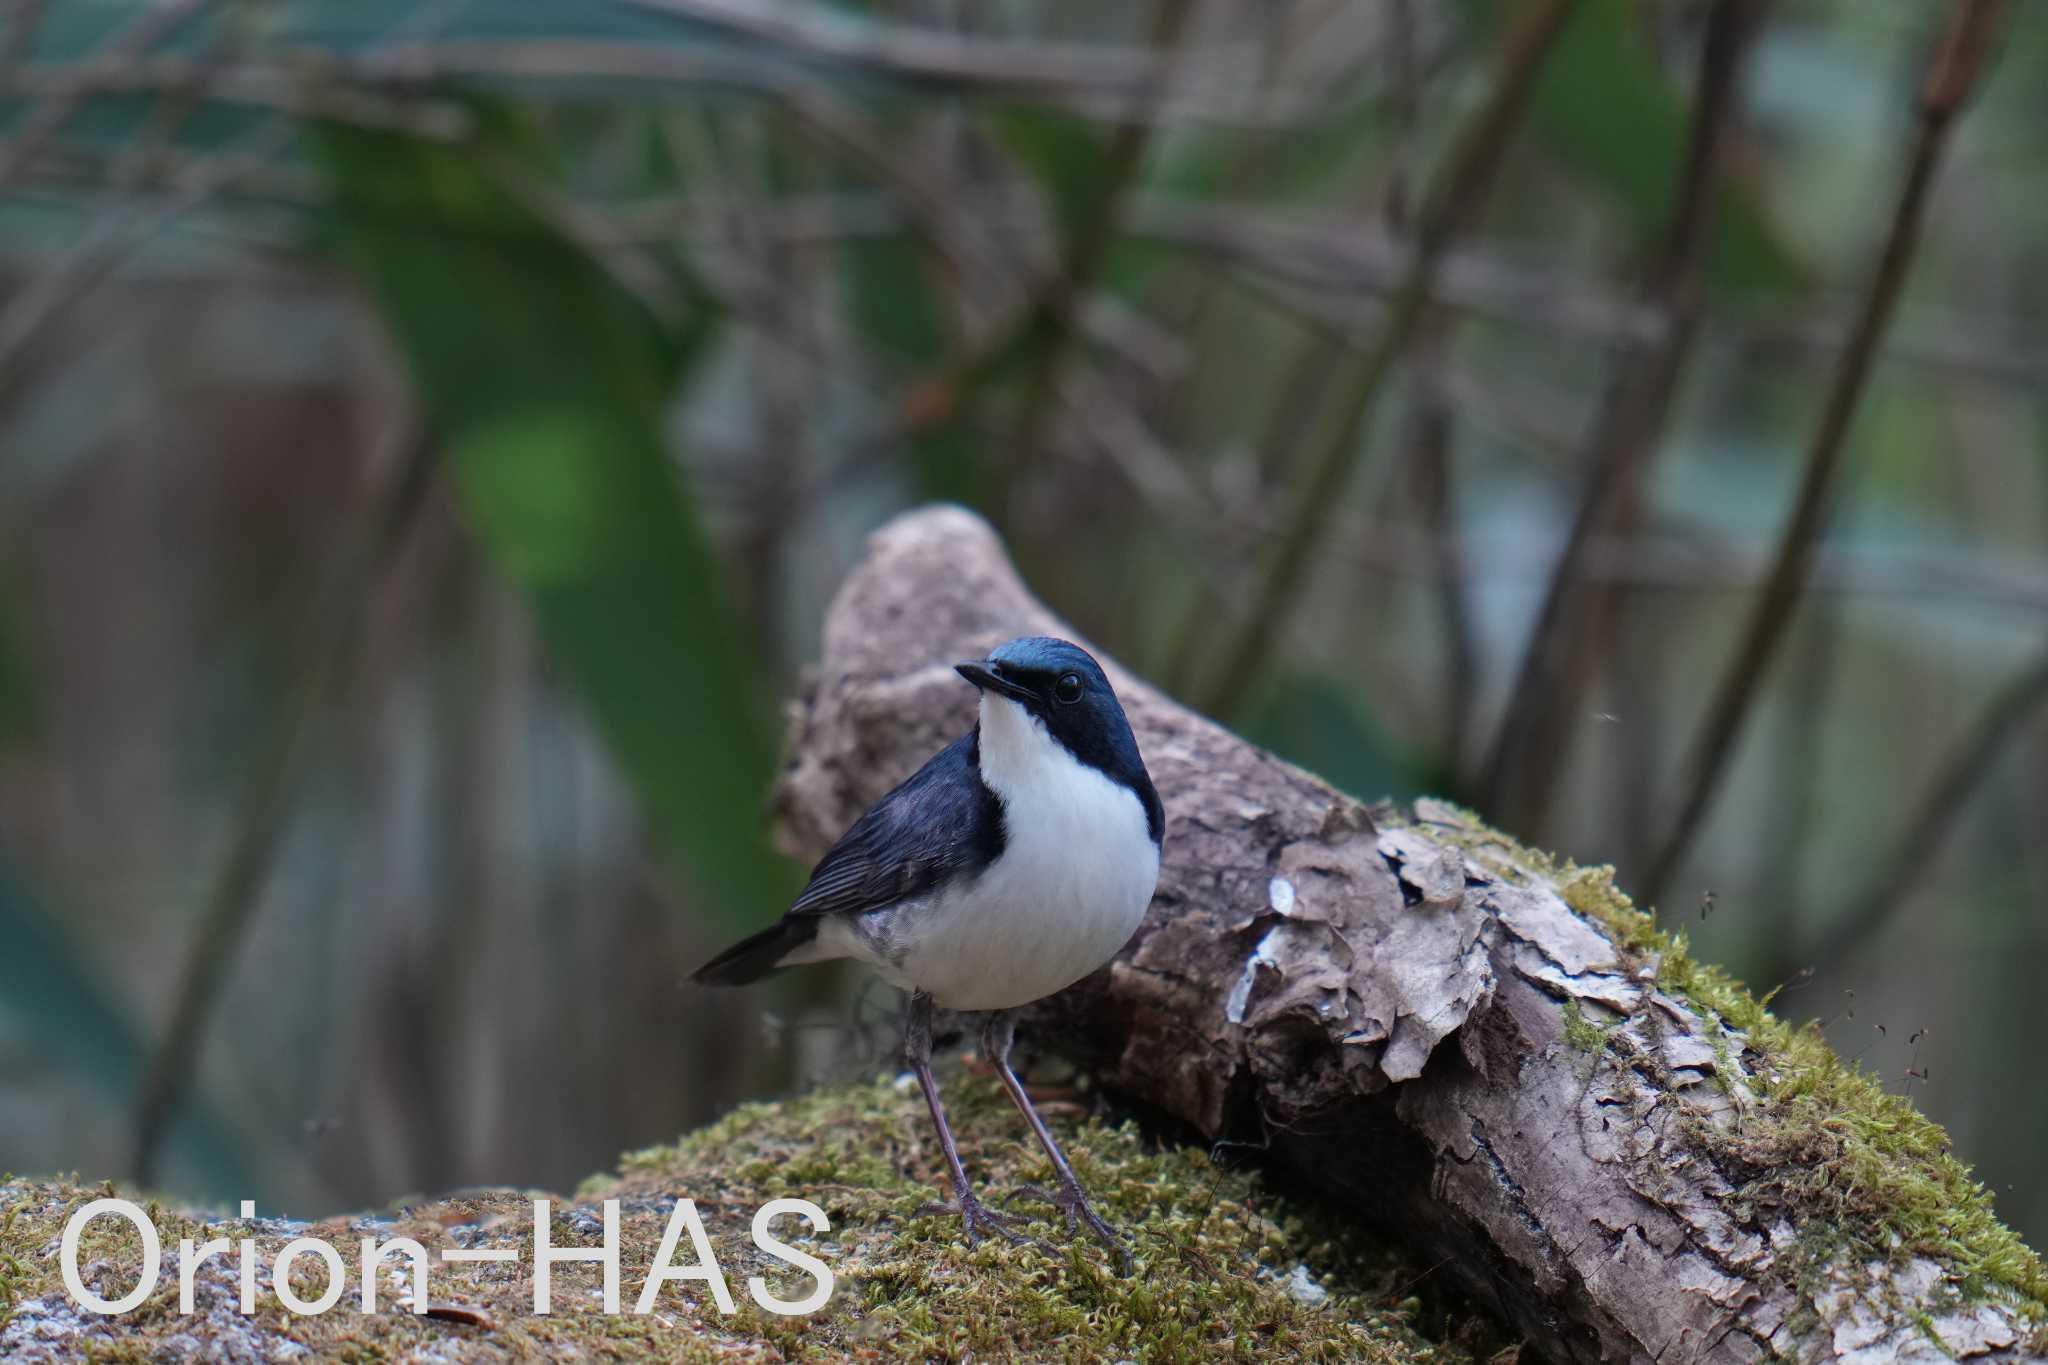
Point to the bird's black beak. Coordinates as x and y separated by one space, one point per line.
988 677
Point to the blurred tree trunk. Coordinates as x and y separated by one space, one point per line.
1403 1010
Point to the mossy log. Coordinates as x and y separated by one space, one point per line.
1611 1145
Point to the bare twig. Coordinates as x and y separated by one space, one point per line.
321 646
933 56
567 67
1089 241
1915 848
1785 841
1569 633
112 238
309 85
1303 391
1453 201
1688 561
1320 267
1331 274
1430 432
1957 63
49 115
19 30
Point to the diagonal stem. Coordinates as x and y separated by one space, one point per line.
1572 626
1454 201
1049 326
321 649
1957 63
1913 852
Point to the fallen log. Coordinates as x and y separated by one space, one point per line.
1609 1144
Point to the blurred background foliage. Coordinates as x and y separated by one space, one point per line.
430 434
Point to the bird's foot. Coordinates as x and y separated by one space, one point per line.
980 1220
1073 1206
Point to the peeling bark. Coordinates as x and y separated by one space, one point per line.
1388 1007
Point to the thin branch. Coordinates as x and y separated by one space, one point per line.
933 56
1430 434
1089 242
1295 403
321 646
309 84
1785 840
113 238
19 31
920 53
1217 96
1914 851
1684 561
1569 633
1329 274
1453 202
1318 268
1954 71
51 113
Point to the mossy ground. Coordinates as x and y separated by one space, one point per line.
1865 1176
1214 1251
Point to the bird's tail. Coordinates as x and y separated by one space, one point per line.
756 955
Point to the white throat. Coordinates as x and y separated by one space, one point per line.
1020 760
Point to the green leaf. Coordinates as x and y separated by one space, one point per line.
1068 155
58 1004
892 301
547 381
1602 104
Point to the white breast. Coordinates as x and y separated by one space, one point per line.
1077 871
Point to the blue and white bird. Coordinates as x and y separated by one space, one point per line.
1017 860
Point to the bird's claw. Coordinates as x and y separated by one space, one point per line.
980 1220
1074 1208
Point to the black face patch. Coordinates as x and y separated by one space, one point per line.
1040 674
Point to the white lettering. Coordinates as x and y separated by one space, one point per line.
67 1252
802 1260
706 1269
545 1255
281 1276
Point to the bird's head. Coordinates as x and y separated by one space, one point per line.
1060 685
1039 696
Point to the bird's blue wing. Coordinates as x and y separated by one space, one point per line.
942 822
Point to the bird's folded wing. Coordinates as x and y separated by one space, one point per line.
940 824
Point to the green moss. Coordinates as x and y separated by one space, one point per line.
1213 1250
1581 1033
1858 1169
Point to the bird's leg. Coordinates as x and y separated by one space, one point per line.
978 1218
996 1035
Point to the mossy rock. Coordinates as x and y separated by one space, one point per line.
1225 1268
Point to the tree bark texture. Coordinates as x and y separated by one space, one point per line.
1387 1007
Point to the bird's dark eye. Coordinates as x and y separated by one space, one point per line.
1067 690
